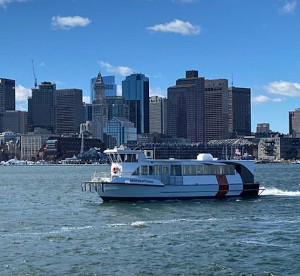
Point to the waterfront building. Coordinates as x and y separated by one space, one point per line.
68 111
135 90
14 120
294 123
7 94
263 130
158 114
41 107
31 143
110 87
239 111
57 148
120 131
7 136
100 111
185 115
117 107
276 148
216 110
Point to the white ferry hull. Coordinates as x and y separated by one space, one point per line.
129 192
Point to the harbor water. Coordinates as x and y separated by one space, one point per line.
48 226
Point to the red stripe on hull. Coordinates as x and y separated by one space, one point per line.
223 185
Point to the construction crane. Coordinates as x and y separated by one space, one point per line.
35 80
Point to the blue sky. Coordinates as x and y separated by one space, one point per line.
255 41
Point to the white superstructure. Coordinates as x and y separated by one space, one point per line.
134 177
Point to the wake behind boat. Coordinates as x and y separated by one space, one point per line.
134 177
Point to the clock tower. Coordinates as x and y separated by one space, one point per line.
99 107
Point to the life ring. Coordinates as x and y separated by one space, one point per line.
115 169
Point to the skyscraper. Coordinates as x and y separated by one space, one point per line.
239 110
110 86
41 107
117 107
99 113
68 111
294 123
135 90
185 118
7 95
14 120
158 114
216 109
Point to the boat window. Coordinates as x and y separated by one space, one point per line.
176 170
207 170
199 169
144 170
137 171
109 158
157 170
151 170
134 158
219 169
189 170
122 157
228 169
114 157
165 170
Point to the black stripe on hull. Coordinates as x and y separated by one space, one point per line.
250 190
108 198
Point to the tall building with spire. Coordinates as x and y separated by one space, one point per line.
99 108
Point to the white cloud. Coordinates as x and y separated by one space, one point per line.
22 93
23 106
157 91
86 99
120 70
4 3
260 99
58 82
289 7
68 22
176 26
284 88
119 90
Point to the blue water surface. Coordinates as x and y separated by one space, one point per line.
48 226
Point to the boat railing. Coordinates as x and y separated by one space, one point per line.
96 180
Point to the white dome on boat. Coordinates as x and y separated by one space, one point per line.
205 157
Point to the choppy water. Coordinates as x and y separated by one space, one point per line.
48 226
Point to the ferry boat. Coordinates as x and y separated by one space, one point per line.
134 177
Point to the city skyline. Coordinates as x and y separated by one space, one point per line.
254 44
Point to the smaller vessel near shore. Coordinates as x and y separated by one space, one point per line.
134 177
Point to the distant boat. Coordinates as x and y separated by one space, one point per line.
71 161
15 162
